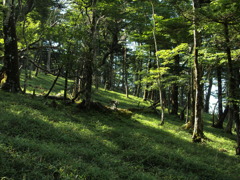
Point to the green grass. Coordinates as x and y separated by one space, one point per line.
37 140
42 83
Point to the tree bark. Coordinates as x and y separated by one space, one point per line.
219 79
208 95
233 89
231 80
221 115
125 74
109 73
146 92
174 98
66 84
198 123
11 61
90 56
221 119
158 67
190 102
54 82
49 60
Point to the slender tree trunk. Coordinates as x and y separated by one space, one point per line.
191 102
208 95
174 98
76 85
111 71
137 86
54 82
26 67
182 101
198 123
88 85
188 109
49 60
108 74
233 89
229 125
231 81
158 67
125 74
221 115
66 84
11 64
146 92
219 79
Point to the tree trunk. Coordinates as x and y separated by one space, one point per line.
158 67
193 99
190 102
88 83
49 60
221 115
229 126
146 92
182 94
208 95
233 89
90 56
174 97
219 79
137 77
198 123
66 84
125 74
54 82
11 64
221 119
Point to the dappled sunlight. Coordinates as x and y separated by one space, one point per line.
119 144
105 96
42 83
115 90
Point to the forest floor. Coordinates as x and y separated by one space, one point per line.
42 141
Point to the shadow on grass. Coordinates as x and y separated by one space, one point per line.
175 121
37 141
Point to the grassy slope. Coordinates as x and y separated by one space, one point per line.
38 141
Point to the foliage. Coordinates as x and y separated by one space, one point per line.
103 46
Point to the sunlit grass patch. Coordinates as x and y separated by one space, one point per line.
43 82
37 140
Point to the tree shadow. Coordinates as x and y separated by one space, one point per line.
39 140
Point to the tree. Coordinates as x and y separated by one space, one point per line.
16 11
198 123
226 18
11 62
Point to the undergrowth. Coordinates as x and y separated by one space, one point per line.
38 141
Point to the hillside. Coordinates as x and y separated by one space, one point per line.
39 141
